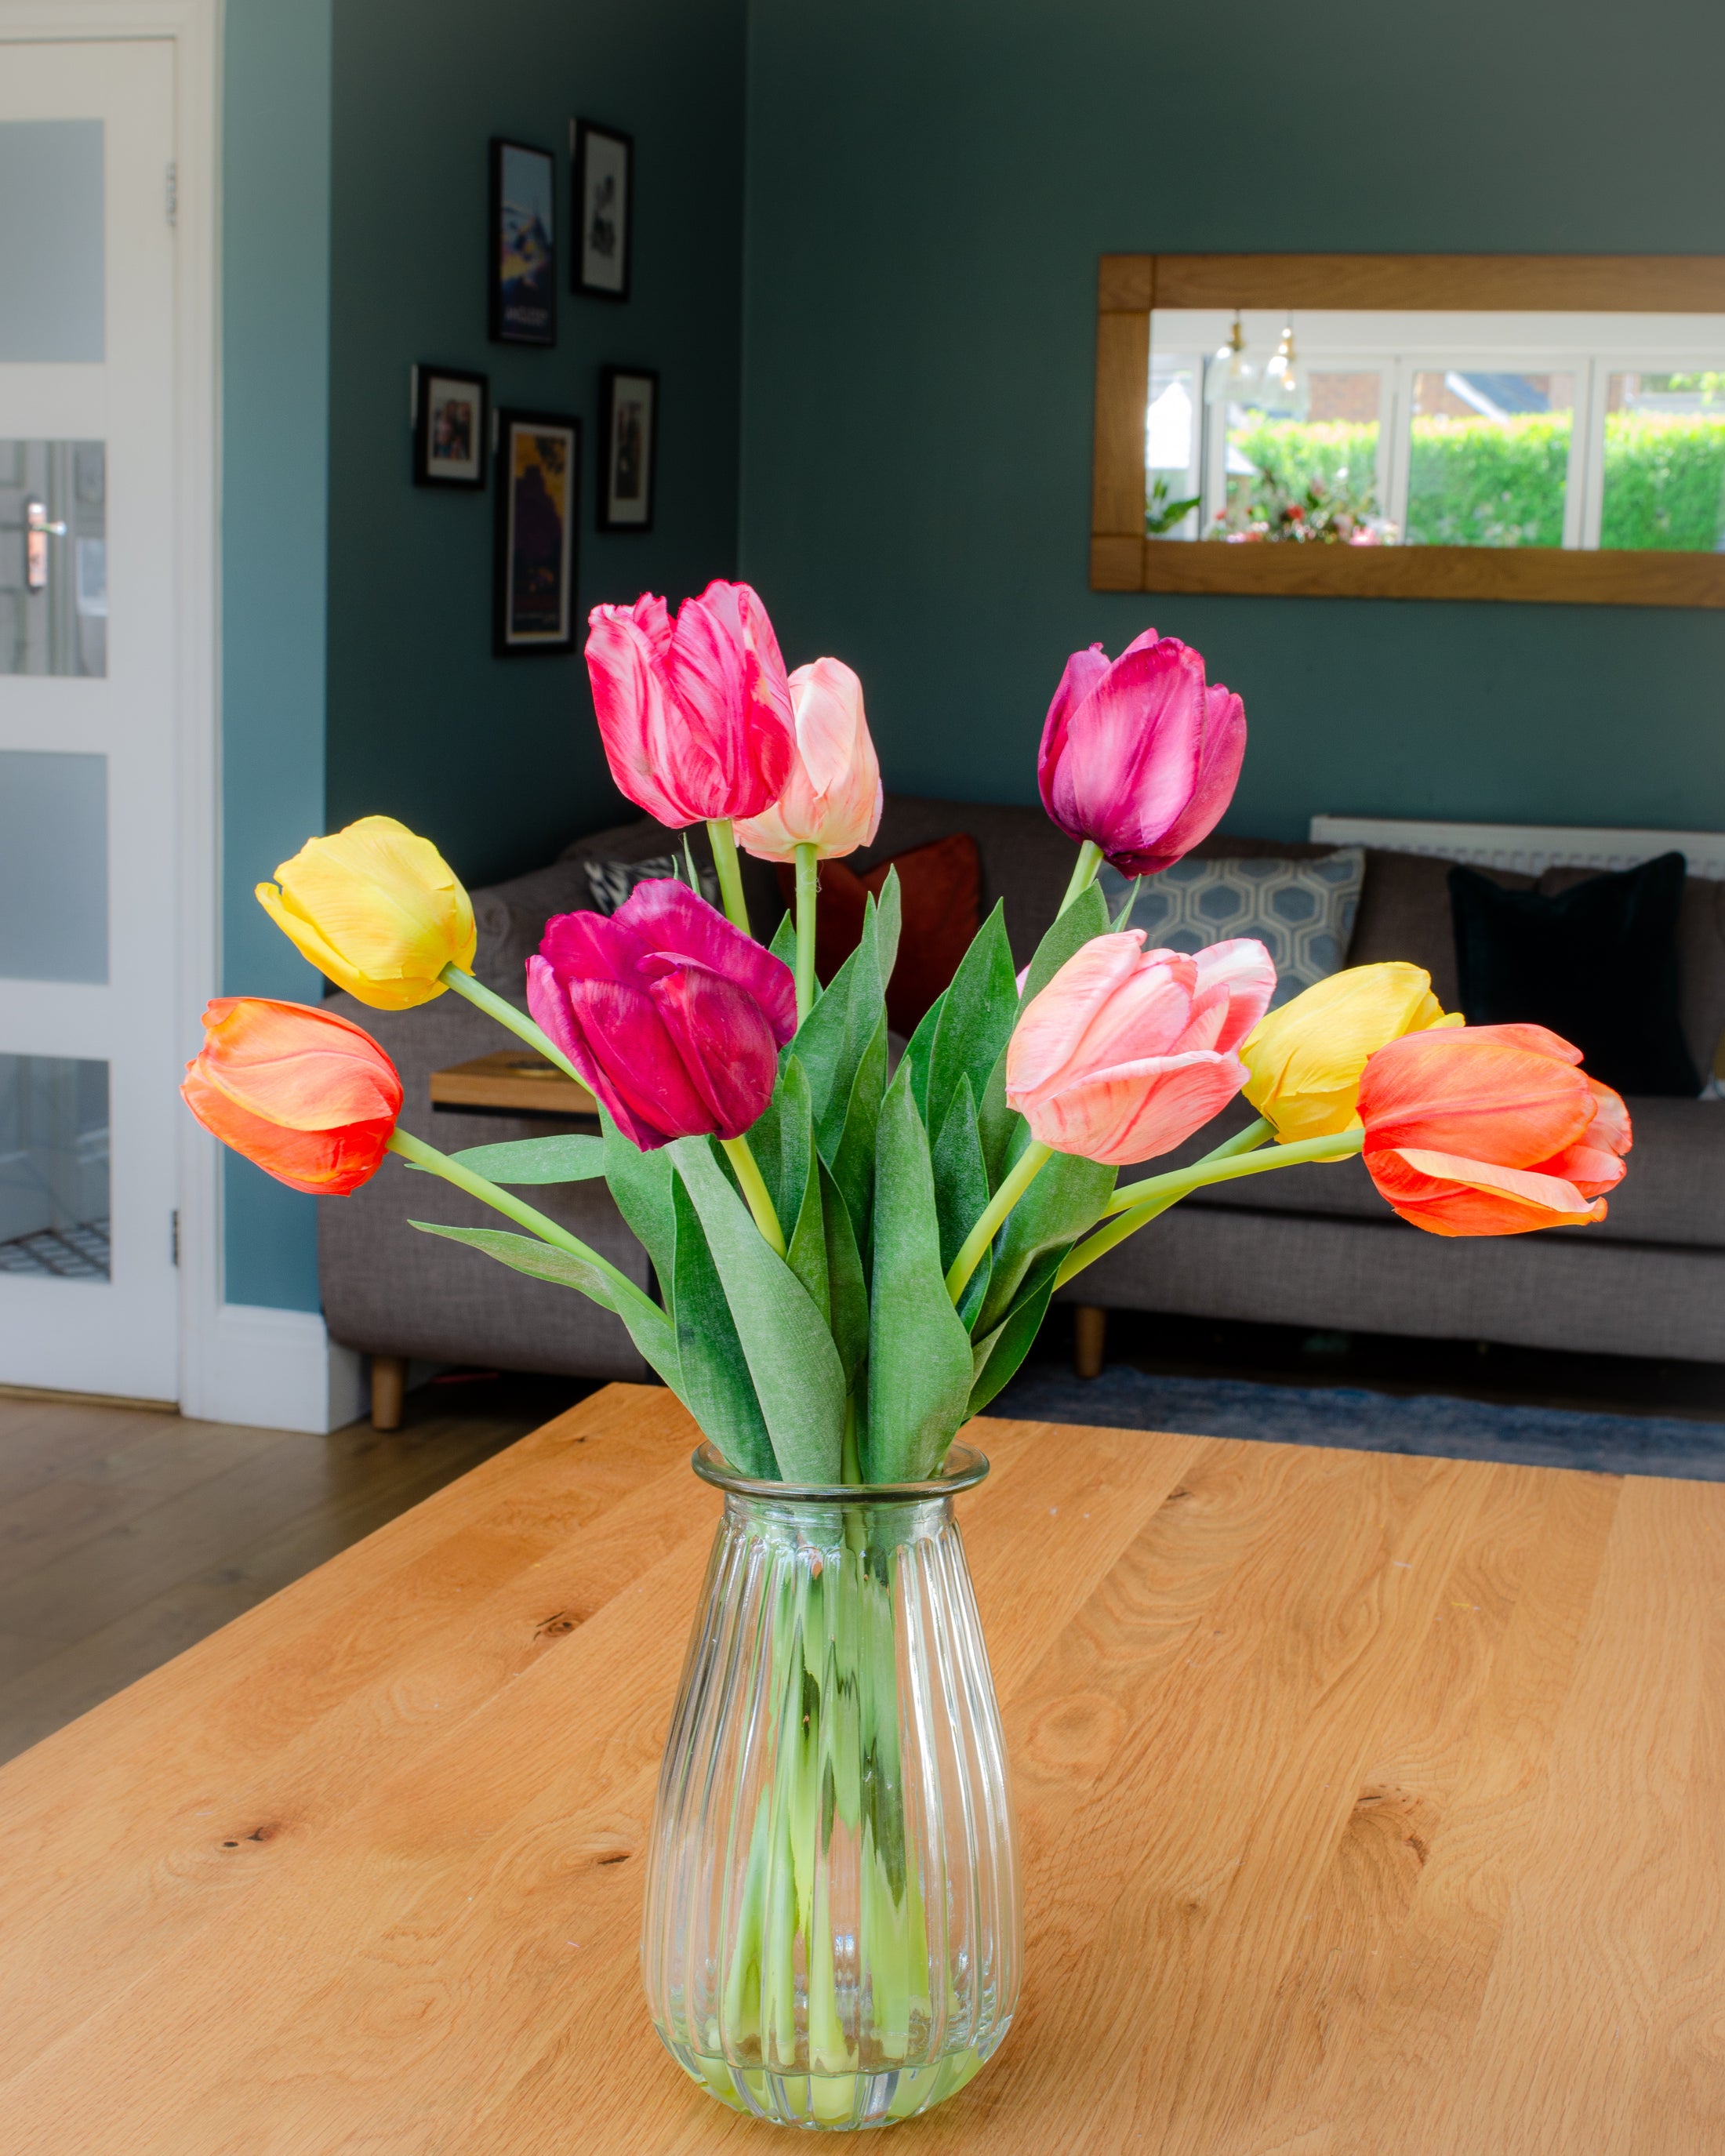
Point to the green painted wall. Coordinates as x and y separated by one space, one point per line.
275 296
498 760
929 189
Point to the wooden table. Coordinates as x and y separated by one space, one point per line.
1370 1805
513 1082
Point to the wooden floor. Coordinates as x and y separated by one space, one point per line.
125 1535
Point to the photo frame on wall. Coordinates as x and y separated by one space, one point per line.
628 420
523 307
452 426
538 460
601 194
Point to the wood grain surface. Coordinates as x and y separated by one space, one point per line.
1568 283
1369 1804
513 1080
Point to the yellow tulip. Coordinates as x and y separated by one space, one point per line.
377 909
1307 1058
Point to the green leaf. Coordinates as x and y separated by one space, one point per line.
649 1326
853 1161
798 1377
961 1180
919 1351
976 1020
568 1159
1001 1130
1000 1353
918 1051
783 946
641 1184
847 1284
783 1143
1084 918
717 1385
840 1030
1064 1201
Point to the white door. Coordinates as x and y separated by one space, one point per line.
88 1112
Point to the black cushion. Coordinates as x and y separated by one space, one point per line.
1597 964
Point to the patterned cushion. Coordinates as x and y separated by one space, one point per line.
611 882
1301 911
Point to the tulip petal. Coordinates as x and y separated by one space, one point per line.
1470 1091
1130 759
1137 1111
378 909
721 1033
548 1001
590 946
1243 973
1449 1194
664 916
1219 766
624 663
1054 1022
635 1061
1083 672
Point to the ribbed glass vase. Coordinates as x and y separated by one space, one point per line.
833 1934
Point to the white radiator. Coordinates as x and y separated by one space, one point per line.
1529 849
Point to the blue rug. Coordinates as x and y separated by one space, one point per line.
1444 1428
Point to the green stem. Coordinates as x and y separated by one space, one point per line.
754 1190
1084 872
1030 1165
1246 1140
1159 1192
724 860
505 1013
548 1231
808 887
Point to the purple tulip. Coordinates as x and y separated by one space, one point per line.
673 1016
1139 755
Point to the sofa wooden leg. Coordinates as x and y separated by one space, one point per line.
1090 1339
389 1382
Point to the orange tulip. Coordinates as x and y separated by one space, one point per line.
1490 1129
312 1099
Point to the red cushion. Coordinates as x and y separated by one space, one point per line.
940 887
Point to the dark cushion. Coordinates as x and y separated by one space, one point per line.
1597 964
939 888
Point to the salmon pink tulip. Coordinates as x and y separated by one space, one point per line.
1490 1129
673 1016
694 713
1140 756
832 800
1127 1052
309 1098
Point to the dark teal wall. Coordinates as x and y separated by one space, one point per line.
929 188
275 228
498 760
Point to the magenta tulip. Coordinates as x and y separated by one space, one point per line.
1127 1052
695 713
1139 755
673 1016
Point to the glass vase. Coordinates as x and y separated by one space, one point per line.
833 1935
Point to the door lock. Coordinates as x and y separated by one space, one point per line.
38 531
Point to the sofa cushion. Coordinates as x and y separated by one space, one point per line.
1700 961
938 885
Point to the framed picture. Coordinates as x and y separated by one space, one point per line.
524 266
451 426
628 413
602 168
538 496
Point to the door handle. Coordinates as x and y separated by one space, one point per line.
38 531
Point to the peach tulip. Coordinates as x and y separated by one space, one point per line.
308 1097
1127 1052
1490 1129
832 800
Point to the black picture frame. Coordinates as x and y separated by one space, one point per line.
629 460
452 427
535 545
522 300
601 204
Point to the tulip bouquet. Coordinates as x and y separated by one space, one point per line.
853 1248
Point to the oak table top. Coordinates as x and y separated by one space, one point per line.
515 1081
1369 1804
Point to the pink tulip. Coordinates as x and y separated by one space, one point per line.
672 1016
695 713
1127 1052
1140 756
832 801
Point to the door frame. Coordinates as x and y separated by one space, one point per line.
270 1367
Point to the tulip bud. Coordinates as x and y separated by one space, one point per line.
1127 1052
1140 756
1307 1057
1490 1129
694 714
308 1097
673 1017
377 909
831 800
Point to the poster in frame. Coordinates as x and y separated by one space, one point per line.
602 193
538 482
629 416
523 253
452 426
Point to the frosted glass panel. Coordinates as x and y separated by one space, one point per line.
51 240
54 1166
53 557
53 866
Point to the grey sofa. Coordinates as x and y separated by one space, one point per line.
1311 1245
